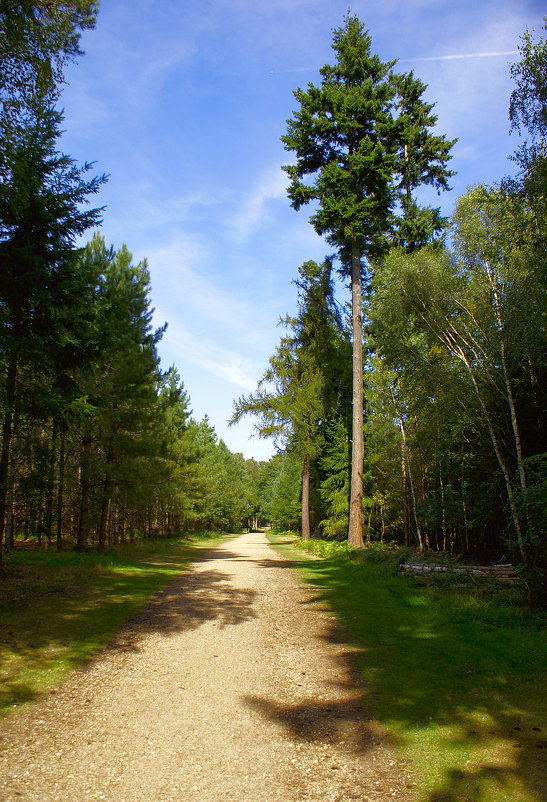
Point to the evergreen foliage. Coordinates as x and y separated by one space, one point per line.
303 385
455 371
362 139
447 449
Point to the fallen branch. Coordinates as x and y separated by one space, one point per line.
504 572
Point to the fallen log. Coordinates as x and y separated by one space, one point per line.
503 572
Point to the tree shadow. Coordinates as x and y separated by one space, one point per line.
273 563
453 683
186 603
15 694
65 624
329 722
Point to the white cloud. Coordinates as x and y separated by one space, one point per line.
184 284
223 363
252 210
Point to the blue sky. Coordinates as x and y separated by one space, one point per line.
183 103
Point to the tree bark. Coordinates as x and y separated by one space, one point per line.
9 538
459 352
355 525
7 431
406 458
61 491
52 468
83 525
404 484
306 499
105 513
509 394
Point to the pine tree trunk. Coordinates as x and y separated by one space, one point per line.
105 513
61 491
122 525
52 467
306 499
83 526
355 527
7 431
113 525
9 538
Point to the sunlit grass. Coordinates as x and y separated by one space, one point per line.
455 671
58 608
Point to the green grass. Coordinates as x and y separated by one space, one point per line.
454 669
59 608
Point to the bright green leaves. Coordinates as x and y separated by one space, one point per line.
528 106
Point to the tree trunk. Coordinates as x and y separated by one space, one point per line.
7 431
355 526
9 539
411 483
52 467
121 524
61 491
404 481
105 514
509 394
113 525
306 499
83 525
458 351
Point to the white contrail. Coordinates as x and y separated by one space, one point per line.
462 55
450 57
295 69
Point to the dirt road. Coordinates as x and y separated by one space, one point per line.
229 686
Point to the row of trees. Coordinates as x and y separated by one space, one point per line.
96 442
450 399
103 445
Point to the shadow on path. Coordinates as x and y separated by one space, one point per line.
328 722
192 599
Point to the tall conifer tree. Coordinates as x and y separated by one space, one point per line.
350 139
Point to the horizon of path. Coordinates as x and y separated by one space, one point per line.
232 684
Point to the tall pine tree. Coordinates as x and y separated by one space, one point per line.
356 147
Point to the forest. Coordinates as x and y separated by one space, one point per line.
98 442
415 415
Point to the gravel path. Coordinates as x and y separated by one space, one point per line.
229 686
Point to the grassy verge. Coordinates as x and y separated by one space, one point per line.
454 668
58 608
